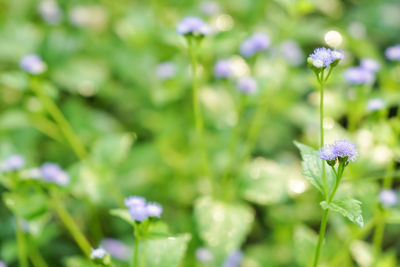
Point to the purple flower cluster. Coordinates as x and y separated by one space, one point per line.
98 253
32 64
388 197
223 69
247 85
140 210
370 64
116 248
234 259
51 172
341 149
2 264
324 57
393 53
375 104
193 26
363 74
256 43
292 52
12 163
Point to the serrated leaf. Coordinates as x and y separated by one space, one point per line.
312 168
348 207
160 252
123 214
222 226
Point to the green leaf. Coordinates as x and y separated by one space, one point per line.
348 207
312 168
162 252
123 214
222 226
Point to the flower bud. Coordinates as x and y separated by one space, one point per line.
333 38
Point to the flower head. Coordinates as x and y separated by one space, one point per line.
32 64
370 64
341 150
256 43
52 172
327 153
323 57
154 209
116 248
194 26
388 197
393 53
138 212
203 255
375 104
98 253
247 85
165 70
291 51
2 264
13 163
223 69
234 259
135 201
359 75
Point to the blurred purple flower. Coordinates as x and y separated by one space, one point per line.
210 8
204 255
165 70
138 212
194 26
358 75
2 264
50 11
292 52
234 259
322 57
32 64
98 253
345 149
370 64
52 172
393 52
13 163
327 153
154 209
223 69
247 85
116 248
375 104
135 201
256 43
388 197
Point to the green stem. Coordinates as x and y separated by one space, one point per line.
338 179
71 226
36 258
378 233
22 254
61 121
136 253
322 228
196 106
321 125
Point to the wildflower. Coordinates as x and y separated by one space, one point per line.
322 57
370 64
135 201
234 259
13 163
327 153
2 264
138 212
98 253
341 150
32 64
204 255
116 248
358 75
393 53
223 69
154 209
51 172
247 85
256 43
291 52
193 26
388 197
165 70
50 11
375 104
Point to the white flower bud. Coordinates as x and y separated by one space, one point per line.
333 38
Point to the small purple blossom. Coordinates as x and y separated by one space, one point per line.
247 85
291 52
327 153
165 70
194 26
116 248
2 264
138 213
256 43
324 57
52 172
13 163
370 64
359 75
223 69
204 255
234 259
98 253
388 197
154 209
135 201
375 104
393 53
339 149
32 64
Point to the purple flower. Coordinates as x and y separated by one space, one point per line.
370 64
138 212
32 64
327 153
194 26
291 52
358 75
116 248
135 201
388 197
2 264
256 43
165 70
247 85
323 57
234 259
13 163
154 209
342 149
204 255
51 172
375 104
223 69
393 52
98 253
